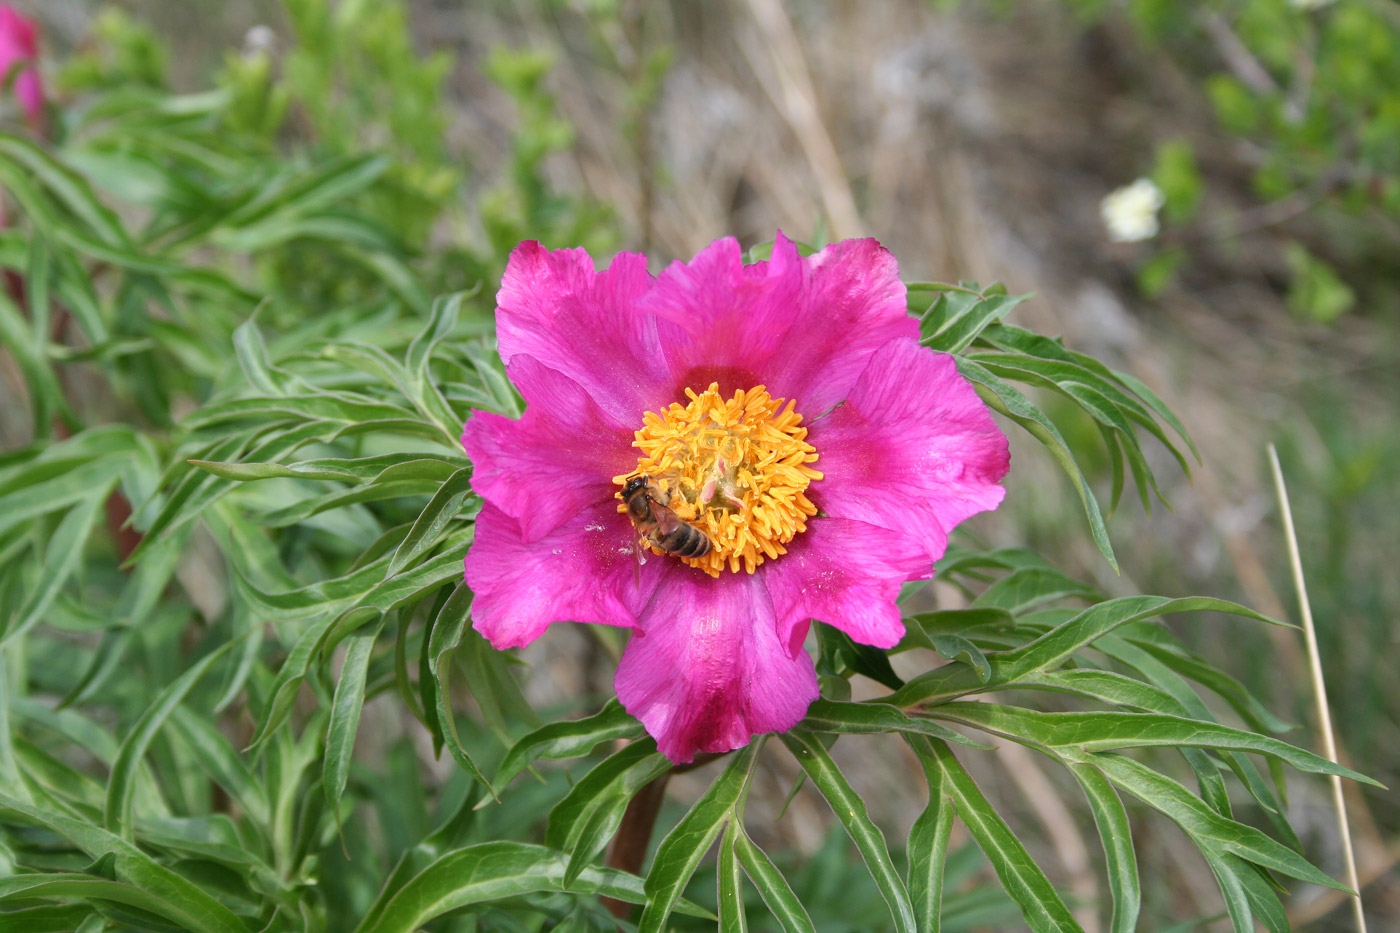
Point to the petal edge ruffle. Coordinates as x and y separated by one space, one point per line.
588 325
912 449
556 459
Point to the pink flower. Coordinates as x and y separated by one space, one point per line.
19 42
728 385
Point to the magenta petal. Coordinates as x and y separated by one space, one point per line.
587 325
734 316
558 458
847 574
19 41
913 449
852 303
582 571
705 670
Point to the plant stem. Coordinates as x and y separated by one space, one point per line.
1324 715
633 836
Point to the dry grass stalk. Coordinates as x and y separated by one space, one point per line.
1324 715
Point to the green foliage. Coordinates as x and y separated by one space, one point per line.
1311 99
1316 292
273 395
1180 180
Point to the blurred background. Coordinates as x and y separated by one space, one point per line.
1259 296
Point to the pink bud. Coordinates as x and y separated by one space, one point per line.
19 42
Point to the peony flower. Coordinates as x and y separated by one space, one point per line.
1130 213
784 408
19 42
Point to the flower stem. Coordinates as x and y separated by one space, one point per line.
633 836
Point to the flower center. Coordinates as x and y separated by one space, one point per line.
736 469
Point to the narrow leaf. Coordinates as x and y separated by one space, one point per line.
1019 874
116 813
345 713
772 886
679 854
850 810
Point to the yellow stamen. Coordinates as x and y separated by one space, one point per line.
735 468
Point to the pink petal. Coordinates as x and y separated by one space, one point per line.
733 316
847 574
558 458
913 449
852 303
582 571
19 41
705 670
587 325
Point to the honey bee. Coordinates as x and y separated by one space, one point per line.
658 525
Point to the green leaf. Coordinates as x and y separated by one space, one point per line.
850 810
221 762
956 318
442 321
116 812
838 653
337 179
928 850
1207 828
253 358
1027 587
568 739
1019 874
574 823
589 816
771 884
46 395
920 629
680 852
958 648
1008 400
446 635
833 716
1116 834
84 888
441 509
1223 685
731 884
71 188
288 683
1261 897
346 705
1099 731
56 919
62 557
1316 291
405 466
492 871
1056 646
185 902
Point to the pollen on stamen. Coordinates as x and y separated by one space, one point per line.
749 454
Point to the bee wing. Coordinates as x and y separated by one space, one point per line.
638 558
666 520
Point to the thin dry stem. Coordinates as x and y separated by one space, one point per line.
1324 714
798 104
